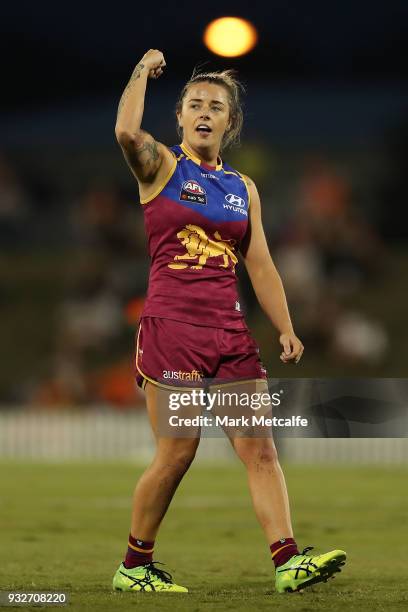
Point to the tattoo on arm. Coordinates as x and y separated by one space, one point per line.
145 155
135 76
151 148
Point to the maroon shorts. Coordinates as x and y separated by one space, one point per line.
181 354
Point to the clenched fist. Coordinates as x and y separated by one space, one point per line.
154 62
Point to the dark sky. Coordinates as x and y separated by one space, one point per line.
53 51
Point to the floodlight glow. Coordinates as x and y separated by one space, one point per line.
230 36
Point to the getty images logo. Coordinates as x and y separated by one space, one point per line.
236 204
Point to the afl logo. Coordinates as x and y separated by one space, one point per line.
235 200
191 191
193 187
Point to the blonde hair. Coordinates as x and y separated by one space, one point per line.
227 79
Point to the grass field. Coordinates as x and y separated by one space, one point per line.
65 527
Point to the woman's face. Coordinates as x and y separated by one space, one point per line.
205 104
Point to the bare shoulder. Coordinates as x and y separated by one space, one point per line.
147 158
249 183
254 201
164 172
247 179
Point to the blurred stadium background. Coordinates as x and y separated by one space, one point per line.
325 139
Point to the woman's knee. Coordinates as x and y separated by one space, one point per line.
256 451
176 454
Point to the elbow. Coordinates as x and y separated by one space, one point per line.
125 138
122 136
263 275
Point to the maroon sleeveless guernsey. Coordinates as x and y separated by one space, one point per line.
194 224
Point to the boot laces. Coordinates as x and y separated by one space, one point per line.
156 572
305 550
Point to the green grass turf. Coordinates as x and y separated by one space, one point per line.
65 527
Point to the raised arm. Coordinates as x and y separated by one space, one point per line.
266 281
144 155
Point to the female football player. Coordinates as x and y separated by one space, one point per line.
199 213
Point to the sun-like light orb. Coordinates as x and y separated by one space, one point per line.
230 36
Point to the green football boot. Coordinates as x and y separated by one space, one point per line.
302 571
145 578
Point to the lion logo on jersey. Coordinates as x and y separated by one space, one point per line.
200 246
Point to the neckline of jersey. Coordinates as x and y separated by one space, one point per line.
198 161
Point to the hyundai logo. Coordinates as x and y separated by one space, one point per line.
235 200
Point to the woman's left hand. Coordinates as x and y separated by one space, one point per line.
292 347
